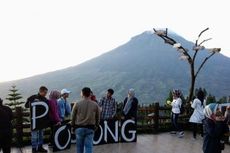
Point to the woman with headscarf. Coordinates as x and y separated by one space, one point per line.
130 106
176 110
198 113
53 112
214 129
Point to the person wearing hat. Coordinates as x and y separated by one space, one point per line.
130 105
214 129
6 116
63 105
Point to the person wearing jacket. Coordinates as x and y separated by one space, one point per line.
130 106
214 129
227 118
176 105
53 112
37 135
63 105
6 116
85 119
198 113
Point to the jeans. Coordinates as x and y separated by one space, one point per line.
175 124
37 139
84 138
195 128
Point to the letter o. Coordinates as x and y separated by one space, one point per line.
56 138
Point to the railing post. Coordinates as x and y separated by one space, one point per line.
19 126
156 116
143 115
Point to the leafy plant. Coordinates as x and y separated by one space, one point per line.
14 98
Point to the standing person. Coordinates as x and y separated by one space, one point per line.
227 119
214 129
130 106
198 113
53 112
227 115
63 105
6 116
176 106
85 119
108 106
37 135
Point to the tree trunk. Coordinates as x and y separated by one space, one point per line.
192 85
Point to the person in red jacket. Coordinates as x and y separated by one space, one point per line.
53 112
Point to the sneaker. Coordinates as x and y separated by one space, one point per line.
173 132
181 135
194 139
50 145
41 149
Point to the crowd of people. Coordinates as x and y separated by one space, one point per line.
86 114
208 119
85 118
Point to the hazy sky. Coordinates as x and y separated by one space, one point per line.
44 35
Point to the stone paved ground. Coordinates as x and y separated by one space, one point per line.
160 143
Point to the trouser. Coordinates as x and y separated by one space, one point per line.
5 141
175 124
196 127
84 138
37 139
51 138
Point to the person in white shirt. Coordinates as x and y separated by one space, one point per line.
176 106
198 113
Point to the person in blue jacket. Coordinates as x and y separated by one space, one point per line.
214 129
63 105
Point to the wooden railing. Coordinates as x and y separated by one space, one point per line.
151 119
156 118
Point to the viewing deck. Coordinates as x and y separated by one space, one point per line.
146 143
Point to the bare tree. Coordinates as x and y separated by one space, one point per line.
190 57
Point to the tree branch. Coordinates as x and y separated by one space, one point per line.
200 35
171 41
202 64
204 41
202 32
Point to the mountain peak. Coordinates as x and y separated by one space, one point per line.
150 34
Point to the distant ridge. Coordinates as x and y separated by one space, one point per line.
144 63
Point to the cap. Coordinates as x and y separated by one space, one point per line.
65 91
